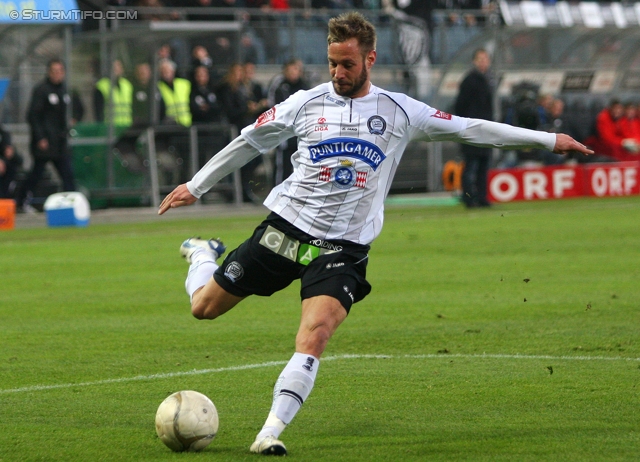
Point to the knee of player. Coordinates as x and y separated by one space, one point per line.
313 339
201 310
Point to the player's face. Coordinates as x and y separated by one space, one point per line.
349 69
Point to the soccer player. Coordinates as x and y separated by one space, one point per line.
351 136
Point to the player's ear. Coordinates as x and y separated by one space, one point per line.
371 58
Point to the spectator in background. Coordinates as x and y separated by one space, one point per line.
235 103
200 57
10 162
142 95
114 104
205 109
556 116
475 100
47 116
233 99
291 82
175 93
265 27
255 93
165 52
545 101
279 4
203 100
554 123
609 140
630 128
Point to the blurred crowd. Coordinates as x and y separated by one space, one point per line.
612 131
168 96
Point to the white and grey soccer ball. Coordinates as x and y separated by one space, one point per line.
187 421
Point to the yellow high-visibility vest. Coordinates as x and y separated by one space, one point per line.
177 100
122 101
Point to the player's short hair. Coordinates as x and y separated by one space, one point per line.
352 25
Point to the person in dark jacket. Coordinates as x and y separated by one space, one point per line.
47 116
10 162
203 100
235 103
205 109
475 100
143 94
292 81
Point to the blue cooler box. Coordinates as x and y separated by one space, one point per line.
67 209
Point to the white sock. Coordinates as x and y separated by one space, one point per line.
202 268
291 390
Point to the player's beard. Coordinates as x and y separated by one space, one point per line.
356 86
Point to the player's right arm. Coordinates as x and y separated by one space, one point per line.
232 157
272 128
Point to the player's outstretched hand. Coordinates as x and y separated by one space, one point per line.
177 198
565 144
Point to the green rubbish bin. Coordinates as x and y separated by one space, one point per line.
130 186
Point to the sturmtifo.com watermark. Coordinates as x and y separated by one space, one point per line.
70 15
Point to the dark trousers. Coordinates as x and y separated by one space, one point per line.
62 165
283 167
7 181
474 176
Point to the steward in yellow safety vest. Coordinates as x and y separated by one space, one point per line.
121 99
175 94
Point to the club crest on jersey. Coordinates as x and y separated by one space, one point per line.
265 117
442 115
363 150
344 176
376 125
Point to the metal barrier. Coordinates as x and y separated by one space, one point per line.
144 164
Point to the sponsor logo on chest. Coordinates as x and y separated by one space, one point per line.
322 125
344 176
362 150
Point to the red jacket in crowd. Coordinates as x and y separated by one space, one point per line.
610 129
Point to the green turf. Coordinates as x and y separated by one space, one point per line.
510 334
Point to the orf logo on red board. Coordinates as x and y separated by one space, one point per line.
265 117
442 115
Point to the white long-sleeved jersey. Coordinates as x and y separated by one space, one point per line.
348 152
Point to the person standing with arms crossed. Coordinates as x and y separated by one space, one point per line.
475 100
351 135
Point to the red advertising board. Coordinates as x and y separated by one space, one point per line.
611 179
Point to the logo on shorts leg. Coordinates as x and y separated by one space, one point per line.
348 292
234 271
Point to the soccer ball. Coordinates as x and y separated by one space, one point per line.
187 421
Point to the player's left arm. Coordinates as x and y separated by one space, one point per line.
440 126
566 144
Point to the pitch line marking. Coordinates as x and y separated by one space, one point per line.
168 375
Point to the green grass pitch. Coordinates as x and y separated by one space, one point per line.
509 334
